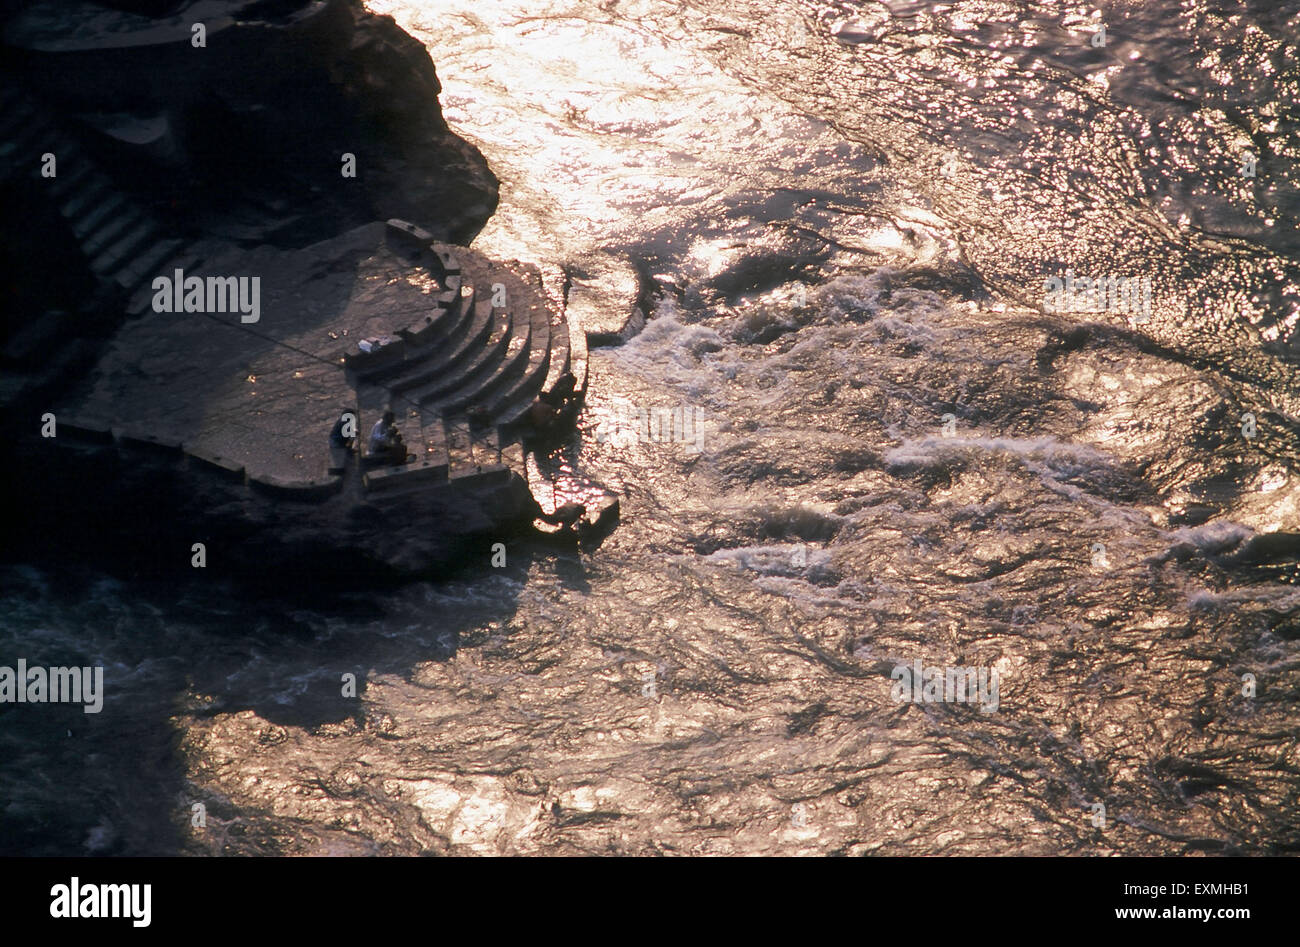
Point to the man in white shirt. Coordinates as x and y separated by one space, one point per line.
385 441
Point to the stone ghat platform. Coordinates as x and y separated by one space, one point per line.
468 345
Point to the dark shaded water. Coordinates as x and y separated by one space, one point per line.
846 213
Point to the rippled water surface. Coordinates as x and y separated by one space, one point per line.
841 217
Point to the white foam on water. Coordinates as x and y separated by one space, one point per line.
782 560
1213 537
1062 458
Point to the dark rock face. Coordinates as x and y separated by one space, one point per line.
420 170
144 511
254 124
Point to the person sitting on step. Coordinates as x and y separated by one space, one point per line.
386 442
547 411
339 439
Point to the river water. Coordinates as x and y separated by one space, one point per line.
841 218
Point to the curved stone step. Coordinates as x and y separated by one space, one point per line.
443 397
512 404
444 324
529 384
375 367
448 260
438 323
559 354
508 414
427 323
408 233
445 360
573 344
427 326
490 354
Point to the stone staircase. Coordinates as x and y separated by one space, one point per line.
465 373
124 244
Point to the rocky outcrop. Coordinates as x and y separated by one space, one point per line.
254 125
419 169
142 511
266 151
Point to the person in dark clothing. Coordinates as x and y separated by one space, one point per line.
566 516
342 437
545 413
338 437
561 391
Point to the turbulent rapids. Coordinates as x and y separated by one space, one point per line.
840 223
